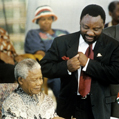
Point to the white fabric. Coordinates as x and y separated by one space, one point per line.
21 105
82 48
113 118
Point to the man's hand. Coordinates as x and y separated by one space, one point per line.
73 64
82 59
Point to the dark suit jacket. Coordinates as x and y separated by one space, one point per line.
114 32
103 70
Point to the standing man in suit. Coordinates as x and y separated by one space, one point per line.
113 32
87 62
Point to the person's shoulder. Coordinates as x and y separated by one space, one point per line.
48 98
33 30
61 31
109 39
117 25
68 37
13 95
11 99
110 31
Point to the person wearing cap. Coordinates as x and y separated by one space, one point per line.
38 41
87 62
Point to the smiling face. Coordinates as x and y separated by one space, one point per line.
33 82
45 23
91 28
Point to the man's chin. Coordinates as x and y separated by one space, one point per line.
89 41
36 91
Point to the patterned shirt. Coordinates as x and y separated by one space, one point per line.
20 105
5 45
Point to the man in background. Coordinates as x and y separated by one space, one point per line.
114 13
113 32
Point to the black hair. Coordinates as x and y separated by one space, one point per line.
93 10
112 6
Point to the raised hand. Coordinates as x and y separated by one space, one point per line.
73 64
82 59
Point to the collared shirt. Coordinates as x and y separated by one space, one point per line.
82 48
20 105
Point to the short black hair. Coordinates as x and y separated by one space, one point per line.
93 10
112 6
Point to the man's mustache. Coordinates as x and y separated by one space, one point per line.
89 36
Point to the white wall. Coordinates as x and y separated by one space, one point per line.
68 12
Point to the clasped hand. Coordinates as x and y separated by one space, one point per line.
77 61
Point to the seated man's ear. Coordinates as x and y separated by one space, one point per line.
20 80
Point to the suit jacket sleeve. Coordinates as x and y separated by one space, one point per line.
52 65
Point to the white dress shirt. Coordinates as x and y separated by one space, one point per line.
82 48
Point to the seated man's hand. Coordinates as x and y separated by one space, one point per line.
73 64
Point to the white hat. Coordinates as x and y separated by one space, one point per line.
42 11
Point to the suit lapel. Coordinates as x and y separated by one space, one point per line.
73 46
99 48
73 49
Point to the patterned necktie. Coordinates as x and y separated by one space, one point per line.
85 80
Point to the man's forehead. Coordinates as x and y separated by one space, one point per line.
88 18
35 71
88 15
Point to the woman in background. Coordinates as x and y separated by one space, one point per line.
38 41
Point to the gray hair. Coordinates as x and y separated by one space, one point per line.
22 68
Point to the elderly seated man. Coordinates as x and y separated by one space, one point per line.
28 101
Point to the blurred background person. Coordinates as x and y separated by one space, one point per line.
38 41
8 58
113 32
113 9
